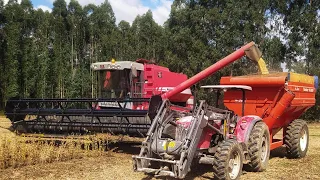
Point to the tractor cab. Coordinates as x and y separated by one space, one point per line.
221 118
219 89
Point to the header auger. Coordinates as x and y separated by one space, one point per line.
257 108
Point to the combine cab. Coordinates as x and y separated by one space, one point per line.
124 91
140 79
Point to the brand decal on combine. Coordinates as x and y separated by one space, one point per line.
115 105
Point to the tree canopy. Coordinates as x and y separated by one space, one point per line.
48 54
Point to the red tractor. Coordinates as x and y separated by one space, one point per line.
257 107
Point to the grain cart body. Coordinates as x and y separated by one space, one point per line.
277 98
124 91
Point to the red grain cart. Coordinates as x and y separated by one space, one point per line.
279 99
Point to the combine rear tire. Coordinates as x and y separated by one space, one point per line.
259 147
228 160
297 139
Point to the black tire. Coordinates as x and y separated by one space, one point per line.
259 148
297 139
229 151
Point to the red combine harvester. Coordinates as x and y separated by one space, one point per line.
257 107
124 91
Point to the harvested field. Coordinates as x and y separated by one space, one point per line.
17 151
116 164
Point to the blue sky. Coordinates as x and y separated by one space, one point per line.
124 9
148 3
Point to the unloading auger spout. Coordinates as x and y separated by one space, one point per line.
250 49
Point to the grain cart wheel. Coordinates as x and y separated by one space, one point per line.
297 139
259 147
228 160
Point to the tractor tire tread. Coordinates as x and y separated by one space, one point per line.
257 132
221 158
292 139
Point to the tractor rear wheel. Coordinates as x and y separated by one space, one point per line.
259 147
297 139
228 160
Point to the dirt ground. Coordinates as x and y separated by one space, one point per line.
118 165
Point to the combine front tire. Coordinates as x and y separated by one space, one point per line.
259 147
297 139
228 160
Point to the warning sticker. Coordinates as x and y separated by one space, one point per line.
171 144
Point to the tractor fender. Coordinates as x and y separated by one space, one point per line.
244 127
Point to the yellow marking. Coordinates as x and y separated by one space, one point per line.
303 78
170 145
225 127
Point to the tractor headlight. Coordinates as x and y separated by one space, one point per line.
232 127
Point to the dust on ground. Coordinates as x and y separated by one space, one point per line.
118 165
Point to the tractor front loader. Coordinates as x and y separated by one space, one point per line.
257 107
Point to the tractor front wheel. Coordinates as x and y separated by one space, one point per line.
297 139
228 160
259 147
